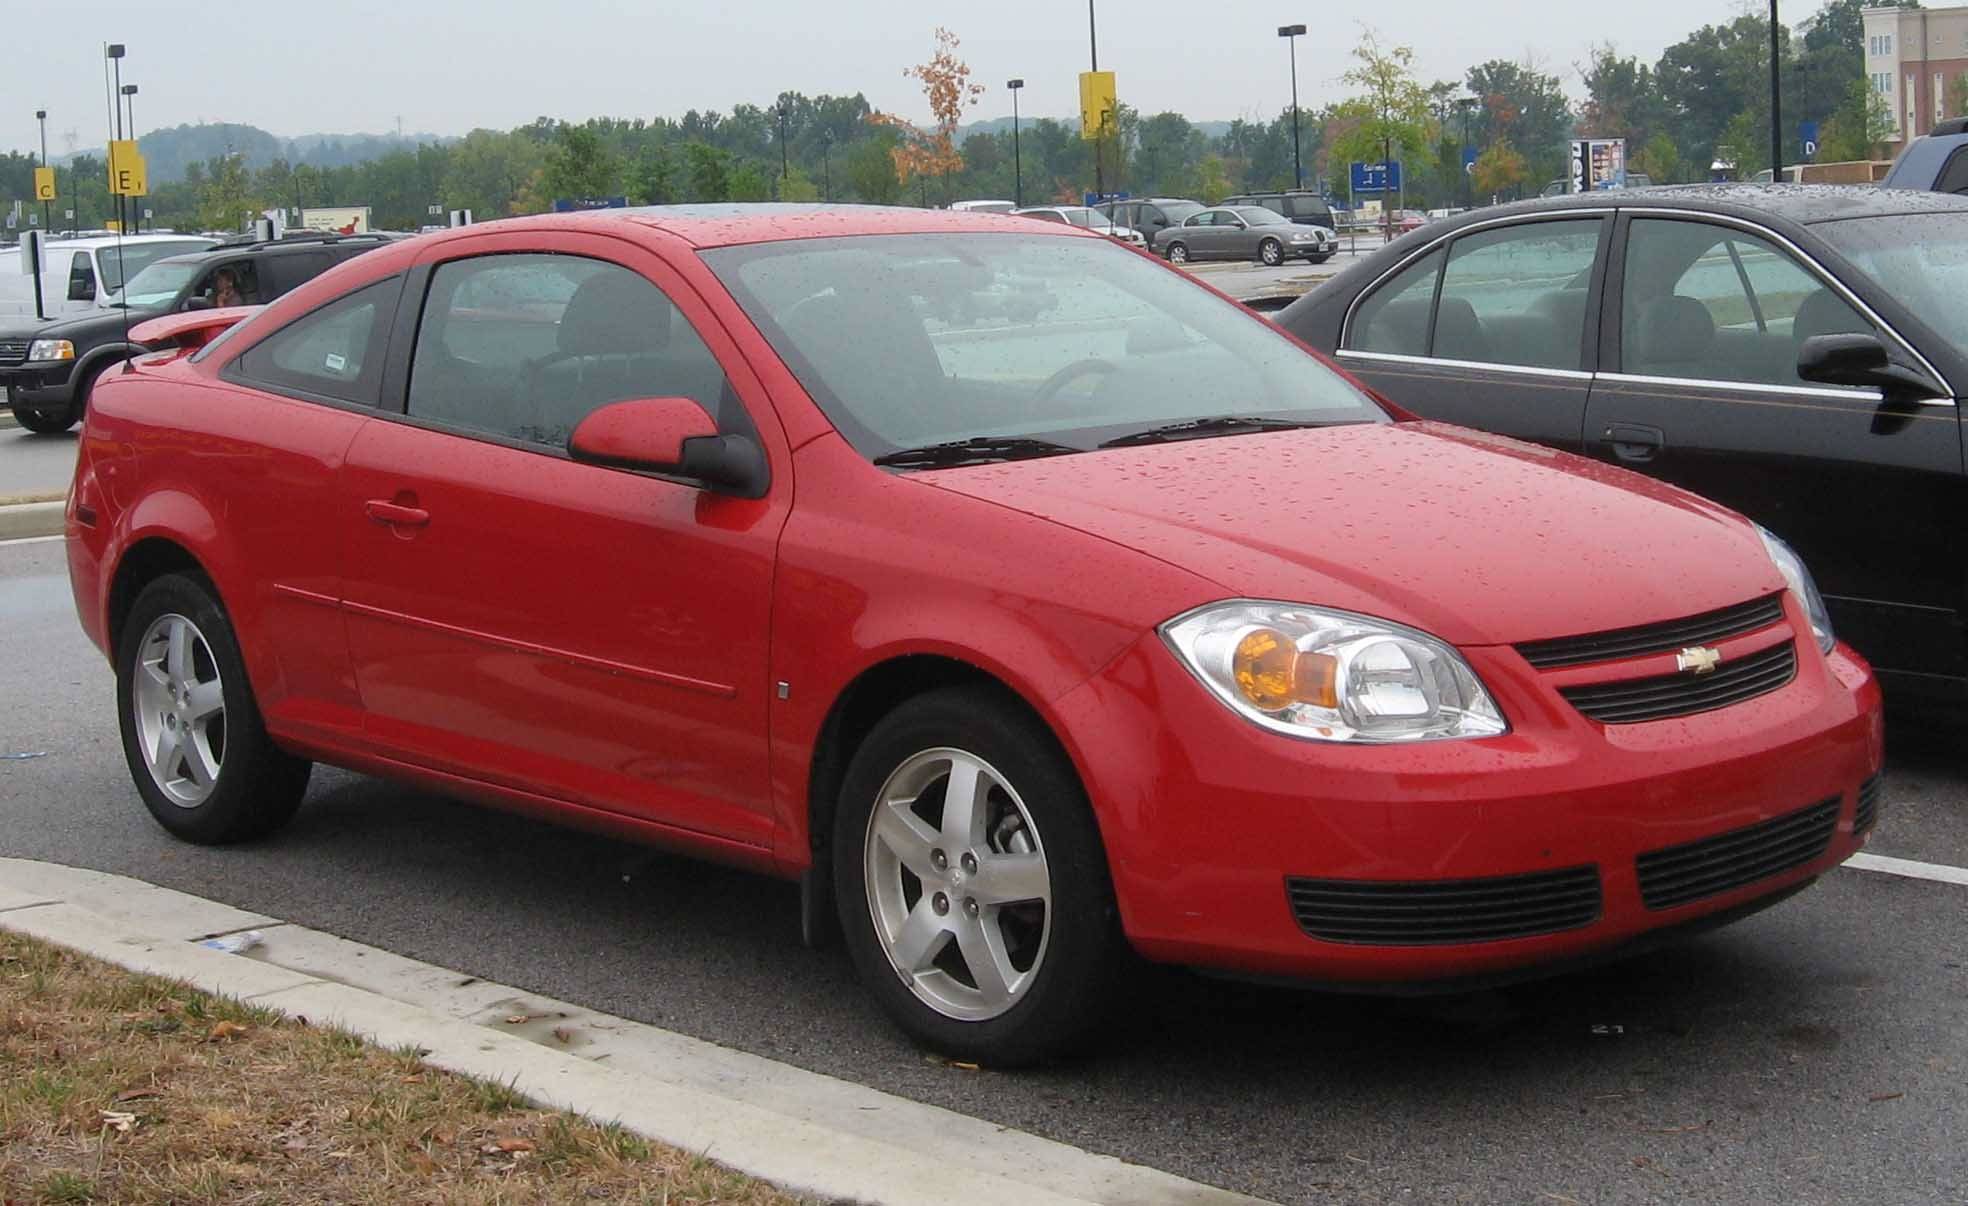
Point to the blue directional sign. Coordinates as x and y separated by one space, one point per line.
1469 159
1807 138
1377 177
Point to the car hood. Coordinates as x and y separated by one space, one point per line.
1479 539
61 326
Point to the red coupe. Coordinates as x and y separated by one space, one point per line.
1026 600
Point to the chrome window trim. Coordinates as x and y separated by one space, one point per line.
1528 370
1755 387
1810 265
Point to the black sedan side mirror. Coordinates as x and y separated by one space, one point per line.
1859 360
197 303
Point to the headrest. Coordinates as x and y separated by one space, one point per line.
615 313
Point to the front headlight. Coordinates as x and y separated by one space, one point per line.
51 349
1332 675
1304 238
1791 566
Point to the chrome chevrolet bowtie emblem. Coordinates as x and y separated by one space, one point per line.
1698 659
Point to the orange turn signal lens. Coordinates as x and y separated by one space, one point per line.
1272 674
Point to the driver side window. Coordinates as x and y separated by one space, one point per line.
1716 303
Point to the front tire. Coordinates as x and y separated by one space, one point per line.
1178 253
42 422
971 883
192 732
1270 253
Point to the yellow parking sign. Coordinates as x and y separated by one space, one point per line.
1096 104
44 184
126 169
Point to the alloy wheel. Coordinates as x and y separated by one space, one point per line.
1178 254
957 884
178 702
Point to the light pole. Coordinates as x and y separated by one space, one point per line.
114 52
1776 98
129 92
1017 168
1093 53
785 169
826 166
1291 34
1468 105
41 115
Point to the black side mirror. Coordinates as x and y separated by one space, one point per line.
197 303
1859 360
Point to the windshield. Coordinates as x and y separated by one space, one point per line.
114 264
1257 215
1080 216
1921 260
913 340
1175 211
158 284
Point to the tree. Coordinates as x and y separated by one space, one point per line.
652 177
1622 99
226 201
798 186
871 171
709 171
487 173
1391 110
579 165
1500 169
1957 105
1215 184
945 81
748 184
1659 160
1527 108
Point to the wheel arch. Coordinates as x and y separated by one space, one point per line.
143 562
95 362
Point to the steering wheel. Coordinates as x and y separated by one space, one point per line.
1079 368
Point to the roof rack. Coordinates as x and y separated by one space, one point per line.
1953 125
301 236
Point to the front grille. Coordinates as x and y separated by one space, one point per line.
1654 638
1636 699
13 351
1445 911
1867 812
1680 874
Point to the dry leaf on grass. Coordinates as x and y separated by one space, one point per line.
137 1094
118 1120
227 1030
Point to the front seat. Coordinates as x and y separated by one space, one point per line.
1674 338
607 348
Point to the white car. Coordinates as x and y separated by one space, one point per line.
81 273
983 207
1081 216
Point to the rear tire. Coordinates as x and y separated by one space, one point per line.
1015 885
1178 253
192 734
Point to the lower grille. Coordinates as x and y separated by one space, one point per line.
1636 699
1703 629
1867 812
13 351
1446 911
1711 866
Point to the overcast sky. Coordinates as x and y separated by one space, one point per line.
447 66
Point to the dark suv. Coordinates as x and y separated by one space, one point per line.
1936 163
50 393
1304 208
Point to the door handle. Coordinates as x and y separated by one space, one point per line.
1632 442
382 510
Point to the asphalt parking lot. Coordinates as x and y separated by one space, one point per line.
1815 1053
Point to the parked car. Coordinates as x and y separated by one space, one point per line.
1305 208
983 207
1016 644
1794 352
50 368
78 272
1086 219
1245 232
1150 215
1937 162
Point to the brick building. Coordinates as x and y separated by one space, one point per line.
1916 59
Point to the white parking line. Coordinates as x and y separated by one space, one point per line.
1938 872
32 540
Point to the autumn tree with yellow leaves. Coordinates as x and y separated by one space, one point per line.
945 80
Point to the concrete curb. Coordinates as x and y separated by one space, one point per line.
21 520
809 1133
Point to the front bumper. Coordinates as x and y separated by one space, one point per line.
40 383
1208 820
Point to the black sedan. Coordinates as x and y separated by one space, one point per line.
1797 353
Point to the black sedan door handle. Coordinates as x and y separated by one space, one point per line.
1632 442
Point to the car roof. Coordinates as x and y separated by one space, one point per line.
232 251
726 225
92 242
1801 203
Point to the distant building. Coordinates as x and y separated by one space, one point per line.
1914 58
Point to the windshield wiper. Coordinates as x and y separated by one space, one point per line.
1196 429
978 450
